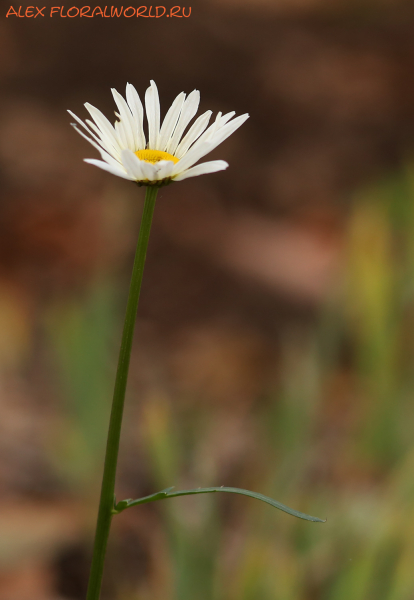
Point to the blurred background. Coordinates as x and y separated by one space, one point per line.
274 345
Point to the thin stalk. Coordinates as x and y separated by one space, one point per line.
106 503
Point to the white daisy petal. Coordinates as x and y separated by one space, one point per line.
224 132
121 135
215 124
148 170
192 156
132 164
137 110
106 142
126 117
194 132
164 169
103 165
170 121
102 141
91 132
208 132
188 111
152 105
93 126
207 167
219 121
105 156
101 121
226 118
221 133
96 145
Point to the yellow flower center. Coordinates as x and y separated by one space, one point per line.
154 156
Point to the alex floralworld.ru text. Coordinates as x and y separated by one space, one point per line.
97 11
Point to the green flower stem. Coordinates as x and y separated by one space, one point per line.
106 503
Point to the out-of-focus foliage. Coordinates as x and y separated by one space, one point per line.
330 435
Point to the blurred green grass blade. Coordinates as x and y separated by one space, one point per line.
167 493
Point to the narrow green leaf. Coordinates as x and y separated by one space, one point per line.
167 493
123 504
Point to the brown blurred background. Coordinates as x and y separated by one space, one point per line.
274 343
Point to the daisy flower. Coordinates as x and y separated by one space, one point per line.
167 154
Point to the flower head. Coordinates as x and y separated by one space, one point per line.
167 154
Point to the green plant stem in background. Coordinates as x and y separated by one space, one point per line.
106 504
